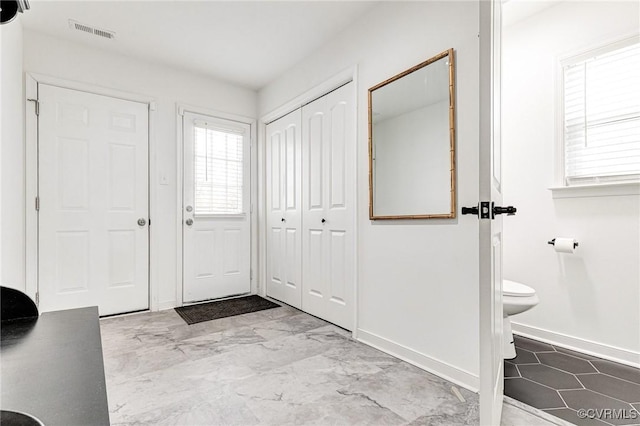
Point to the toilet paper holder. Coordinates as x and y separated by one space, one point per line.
553 243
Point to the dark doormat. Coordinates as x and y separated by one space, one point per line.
224 308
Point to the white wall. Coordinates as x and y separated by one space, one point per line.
412 172
418 280
12 250
62 59
589 300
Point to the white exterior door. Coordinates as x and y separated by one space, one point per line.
328 206
93 242
491 348
216 208
284 200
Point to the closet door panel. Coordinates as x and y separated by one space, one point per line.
338 276
284 242
340 208
313 145
313 200
337 157
328 217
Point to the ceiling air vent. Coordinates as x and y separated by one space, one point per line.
74 25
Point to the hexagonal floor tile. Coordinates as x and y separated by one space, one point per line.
586 399
532 394
618 370
510 370
549 376
566 362
531 345
524 356
610 386
571 415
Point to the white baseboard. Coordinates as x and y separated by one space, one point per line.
612 353
449 372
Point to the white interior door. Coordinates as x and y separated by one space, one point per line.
328 206
216 208
93 242
491 348
284 200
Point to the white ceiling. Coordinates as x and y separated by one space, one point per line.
248 43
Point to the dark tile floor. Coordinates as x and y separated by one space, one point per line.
579 388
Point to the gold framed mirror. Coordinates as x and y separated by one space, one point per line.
412 143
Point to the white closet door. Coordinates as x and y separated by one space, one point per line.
93 241
328 212
284 246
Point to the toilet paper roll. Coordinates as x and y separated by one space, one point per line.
564 245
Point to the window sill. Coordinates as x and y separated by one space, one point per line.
596 190
221 216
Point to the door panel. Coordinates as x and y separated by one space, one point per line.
338 155
329 206
216 216
122 256
93 188
122 172
284 241
491 358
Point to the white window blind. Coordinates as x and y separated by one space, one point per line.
602 116
218 169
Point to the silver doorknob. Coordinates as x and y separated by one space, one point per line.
189 209
142 221
189 222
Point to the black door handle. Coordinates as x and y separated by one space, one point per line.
470 210
510 210
484 212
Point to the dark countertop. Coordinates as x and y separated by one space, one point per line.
52 368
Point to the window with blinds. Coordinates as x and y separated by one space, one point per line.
601 98
218 169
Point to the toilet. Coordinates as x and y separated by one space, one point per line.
516 298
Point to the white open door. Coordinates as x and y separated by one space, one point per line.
93 240
490 216
216 208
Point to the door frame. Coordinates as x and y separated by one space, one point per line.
181 108
349 75
31 175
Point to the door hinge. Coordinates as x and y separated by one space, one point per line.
250 274
37 102
149 221
37 204
37 298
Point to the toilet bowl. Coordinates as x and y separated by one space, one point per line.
516 298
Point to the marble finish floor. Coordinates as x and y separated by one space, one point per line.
273 367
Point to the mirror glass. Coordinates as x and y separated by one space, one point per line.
411 143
